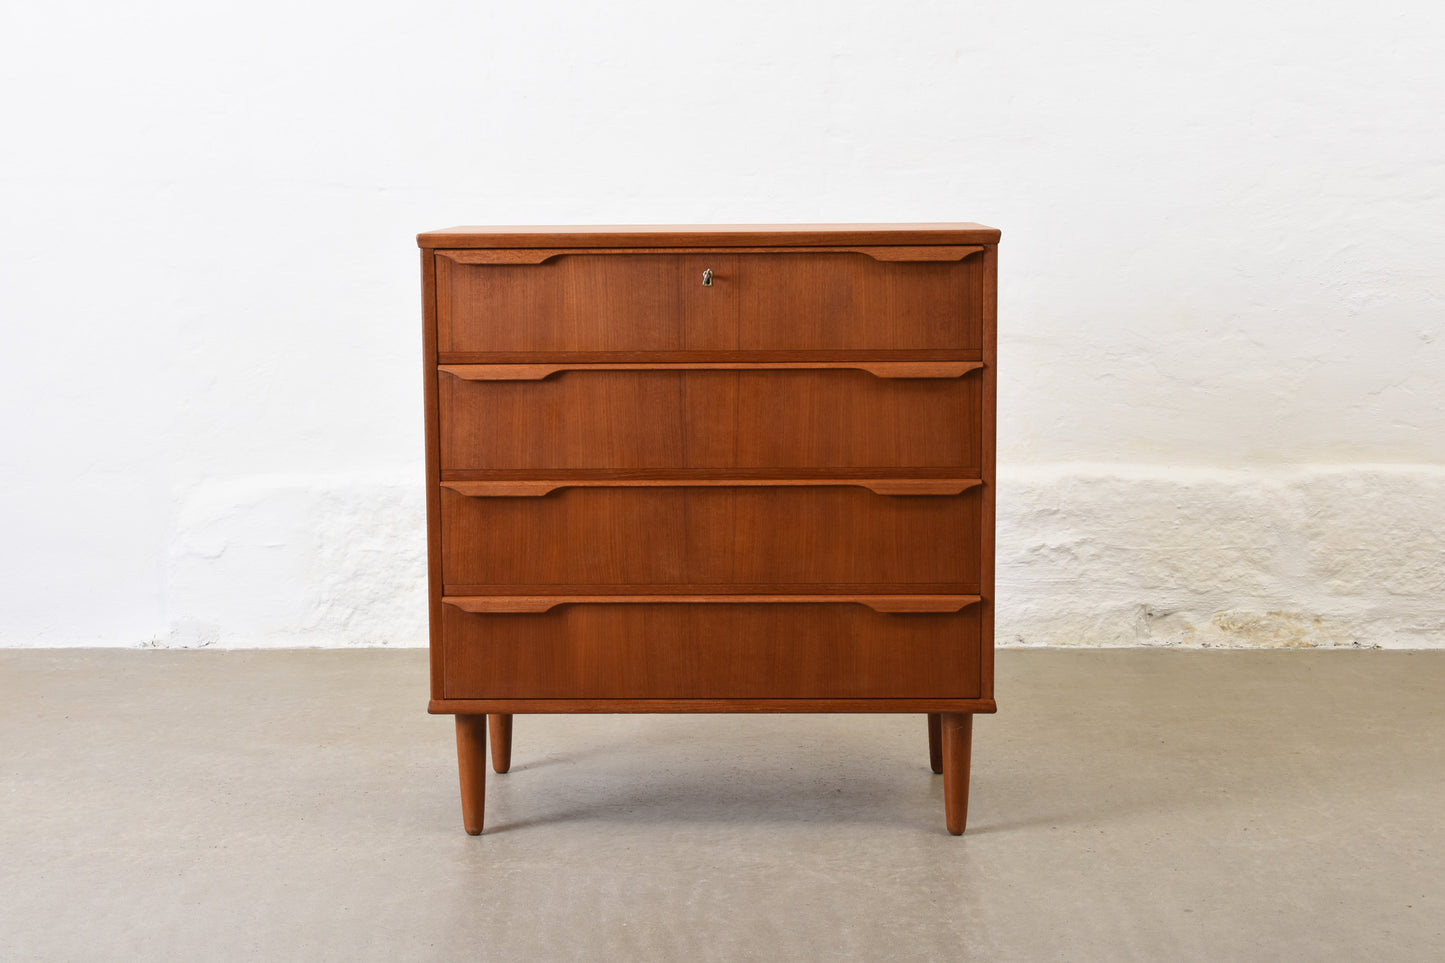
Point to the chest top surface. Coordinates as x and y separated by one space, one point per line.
711 235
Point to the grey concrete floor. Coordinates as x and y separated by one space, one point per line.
1127 804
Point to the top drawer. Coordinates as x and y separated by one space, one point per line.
868 299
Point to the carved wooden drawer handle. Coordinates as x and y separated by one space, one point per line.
544 486
535 604
538 255
880 369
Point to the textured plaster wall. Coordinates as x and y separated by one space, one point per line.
1222 412
1313 555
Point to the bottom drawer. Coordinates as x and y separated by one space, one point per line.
711 651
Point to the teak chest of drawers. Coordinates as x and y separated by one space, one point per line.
710 469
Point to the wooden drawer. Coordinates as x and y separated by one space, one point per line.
657 302
708 419
711 651
746 535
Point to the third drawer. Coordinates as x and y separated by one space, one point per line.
747 535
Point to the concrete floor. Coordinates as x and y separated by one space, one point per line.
1127 804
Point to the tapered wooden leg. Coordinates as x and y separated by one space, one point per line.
472 766
957 731
935 743
500 727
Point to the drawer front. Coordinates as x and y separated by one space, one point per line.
711 651
756 302
775 419
796 536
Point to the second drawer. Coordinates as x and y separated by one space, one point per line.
806 535
658 419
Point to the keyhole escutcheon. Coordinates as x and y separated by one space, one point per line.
707 278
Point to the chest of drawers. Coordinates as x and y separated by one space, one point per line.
710 469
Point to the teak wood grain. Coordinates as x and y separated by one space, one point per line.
472 770
956 729
538 487
604 477
776 236
879 369
659 302
572 706
774 650
540 255
770 492
430 421
711 419
710 536
690 596
499 728
719 357
935 743
988 437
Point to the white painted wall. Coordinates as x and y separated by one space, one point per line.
1223 274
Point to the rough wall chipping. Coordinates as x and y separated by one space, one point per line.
1305 556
